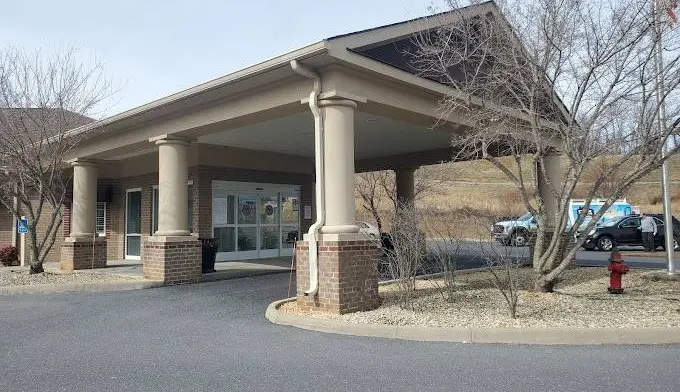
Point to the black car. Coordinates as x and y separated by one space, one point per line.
626 231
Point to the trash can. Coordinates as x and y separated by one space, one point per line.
208 253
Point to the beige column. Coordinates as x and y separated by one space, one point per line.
405 182
84 207
338 120
173 173
554 174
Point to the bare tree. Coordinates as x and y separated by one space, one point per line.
406 258
41 99
445 233
546 77
368 186
504 264
376 188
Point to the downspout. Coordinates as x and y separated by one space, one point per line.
313 233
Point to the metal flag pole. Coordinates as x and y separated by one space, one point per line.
660 99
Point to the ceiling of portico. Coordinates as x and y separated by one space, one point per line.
375 136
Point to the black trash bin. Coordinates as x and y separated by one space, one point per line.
209 253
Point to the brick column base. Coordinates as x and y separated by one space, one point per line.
173 260
348 273
83 253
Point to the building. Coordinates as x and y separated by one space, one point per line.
234 159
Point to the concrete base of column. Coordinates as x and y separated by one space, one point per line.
83 253
348 273
173 260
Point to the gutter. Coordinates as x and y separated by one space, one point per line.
313 233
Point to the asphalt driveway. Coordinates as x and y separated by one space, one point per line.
213 337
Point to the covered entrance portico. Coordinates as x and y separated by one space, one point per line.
259 149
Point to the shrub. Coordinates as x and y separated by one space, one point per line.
9 256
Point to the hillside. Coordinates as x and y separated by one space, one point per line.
478 186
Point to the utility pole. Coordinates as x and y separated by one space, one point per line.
660 100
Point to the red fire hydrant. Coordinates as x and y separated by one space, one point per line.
617 269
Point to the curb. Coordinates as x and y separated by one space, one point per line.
79 287
529 336
221 275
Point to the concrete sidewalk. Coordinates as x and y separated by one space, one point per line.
223 270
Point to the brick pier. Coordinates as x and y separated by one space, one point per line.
79 253
173 260
348 273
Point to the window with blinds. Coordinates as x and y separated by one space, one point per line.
101 219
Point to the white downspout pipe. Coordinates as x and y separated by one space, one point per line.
320 186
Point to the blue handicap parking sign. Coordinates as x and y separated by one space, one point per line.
22 226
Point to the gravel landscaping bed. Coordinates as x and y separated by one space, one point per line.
18 276
580 300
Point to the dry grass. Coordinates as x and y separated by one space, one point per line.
477 188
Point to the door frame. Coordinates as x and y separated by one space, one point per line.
125 236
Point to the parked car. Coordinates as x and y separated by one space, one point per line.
515 232
367 228
626 231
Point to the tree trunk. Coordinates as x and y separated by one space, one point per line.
544 285
36 268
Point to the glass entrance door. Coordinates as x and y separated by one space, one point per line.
290 222
252 221
268 210
246 228
133 224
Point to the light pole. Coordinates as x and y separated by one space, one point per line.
660 100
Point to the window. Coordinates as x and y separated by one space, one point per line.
101 219
633 222
190 208
154 211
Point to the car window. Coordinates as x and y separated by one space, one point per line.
658 221
632 222
525 217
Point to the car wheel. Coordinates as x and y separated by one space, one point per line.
606 244
519 238
676 244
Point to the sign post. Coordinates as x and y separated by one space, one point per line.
22 229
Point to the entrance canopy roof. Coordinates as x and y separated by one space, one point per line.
263 107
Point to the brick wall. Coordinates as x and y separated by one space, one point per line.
44 223
202 203
348 276
6 227
115 226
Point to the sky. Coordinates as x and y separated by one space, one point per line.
150 49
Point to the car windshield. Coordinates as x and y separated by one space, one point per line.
525 217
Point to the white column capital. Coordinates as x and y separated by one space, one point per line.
169 139
337 102
82 162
